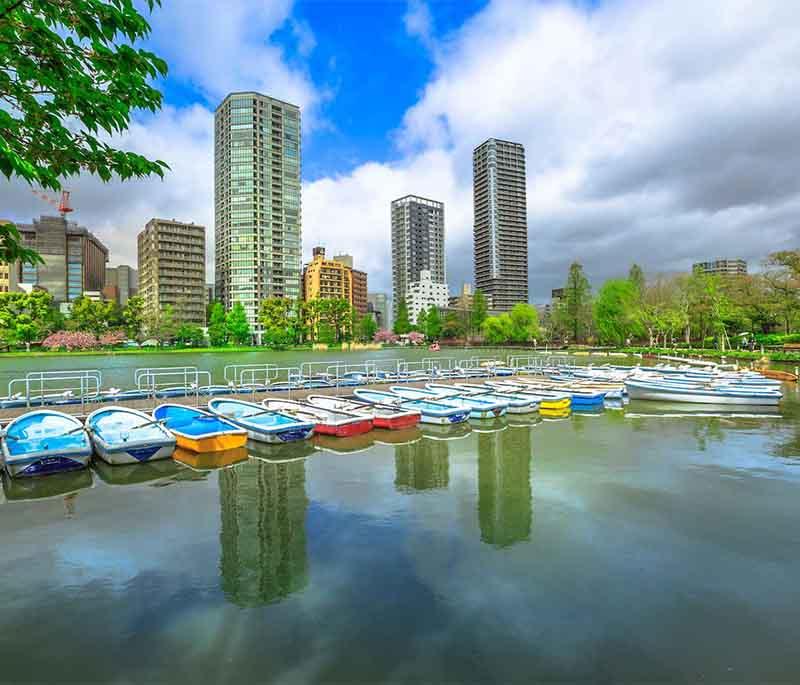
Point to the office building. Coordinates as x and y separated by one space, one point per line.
424 294
210 293
122 283
74 259
172 269
722 267
359 299
256 201
378 306
500 230
327 279
417 243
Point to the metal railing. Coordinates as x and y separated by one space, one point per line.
176 381
57 387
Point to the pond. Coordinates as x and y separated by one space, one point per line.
635 545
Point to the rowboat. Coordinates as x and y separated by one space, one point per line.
262 425
778 375
433 413
548 401
128 436
391 418
640 389
200 431
579 397
516 404
45 441
326 421
478 408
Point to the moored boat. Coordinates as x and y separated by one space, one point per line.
432 413
326 421
127 436
262 425
45 441
200 431
640 389
516 404
550 401
478 408
383 416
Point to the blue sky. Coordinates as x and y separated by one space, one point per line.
654 132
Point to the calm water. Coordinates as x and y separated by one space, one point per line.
617 547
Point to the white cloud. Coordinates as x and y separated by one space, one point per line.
419 22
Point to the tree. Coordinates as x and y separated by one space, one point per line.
453 326
616 310
133 317
433 324
92 316
523 323
636 278
497 329
273 315
402 324
367 328
217 331
422 321
190 334
70 76
237 325
577 301
27 317
480 310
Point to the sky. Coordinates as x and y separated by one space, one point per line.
657 131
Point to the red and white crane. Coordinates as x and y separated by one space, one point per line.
63 206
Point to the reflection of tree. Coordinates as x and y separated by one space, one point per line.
263 534
504 486
423 465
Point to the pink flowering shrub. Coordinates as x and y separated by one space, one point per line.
70 340
112 338
416 338
385 336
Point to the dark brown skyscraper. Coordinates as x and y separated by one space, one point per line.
501 225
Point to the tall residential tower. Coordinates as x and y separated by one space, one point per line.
417 243
257 201
501 228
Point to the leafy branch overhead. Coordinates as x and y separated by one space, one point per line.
70 78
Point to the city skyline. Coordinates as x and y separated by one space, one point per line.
618 156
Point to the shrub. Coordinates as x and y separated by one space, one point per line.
112 338
385 336
70 340
416 338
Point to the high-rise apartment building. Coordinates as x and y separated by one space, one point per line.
722 267
500 230
257 201
417 243
122 282
172 269
74 259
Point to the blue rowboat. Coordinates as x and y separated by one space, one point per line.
478 408
516 404
128 436
199 431
45 441
435 413
262 425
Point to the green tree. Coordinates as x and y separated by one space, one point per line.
133 317
636 278
237 325
190 334
433 324
497 329
92 316
217 331
480 310
70 76
367 328
453 326
615 311
422 321
274 317
27 317
523 323
577 303
402 324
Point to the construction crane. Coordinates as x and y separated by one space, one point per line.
63 206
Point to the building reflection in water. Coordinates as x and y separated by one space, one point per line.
505 506
263 533
423 465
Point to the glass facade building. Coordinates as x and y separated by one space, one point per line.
257 201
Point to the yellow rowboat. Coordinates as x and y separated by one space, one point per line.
559 405
206 461
198 430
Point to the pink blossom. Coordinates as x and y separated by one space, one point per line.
384 336
70 340
415 338
112 338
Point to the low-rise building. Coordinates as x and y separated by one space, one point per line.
722 267
424 294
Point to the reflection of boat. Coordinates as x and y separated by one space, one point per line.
383 416
56 485
45 441
346 445
478 408
136 474
555 414
434 431
326 422
407 436
206 461
491 426
262 425
128 436
681 410
199 430
282 452
432 412
524 420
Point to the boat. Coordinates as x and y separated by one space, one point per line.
326 421
198 430
383 416
262 425
478 408
432 413
776 374
45 441
434 347
128 436
579 396
209 461
640 389
517 404
550 401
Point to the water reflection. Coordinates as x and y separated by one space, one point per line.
209 461
505 506
348 445
136 474
424 465
56 485
263 534
281 452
